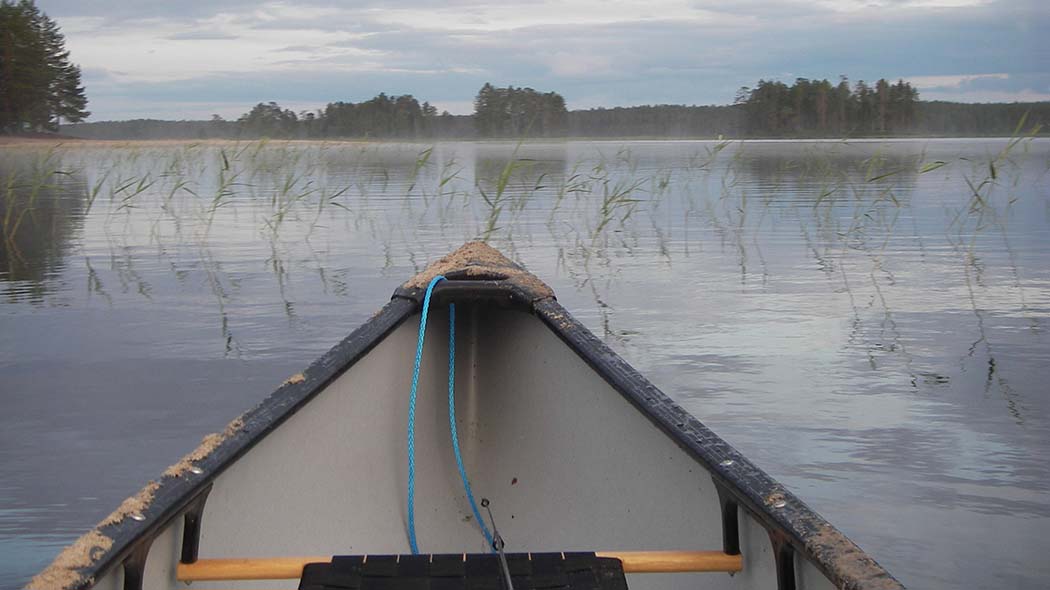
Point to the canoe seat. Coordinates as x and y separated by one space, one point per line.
481 571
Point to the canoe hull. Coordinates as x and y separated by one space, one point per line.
575 450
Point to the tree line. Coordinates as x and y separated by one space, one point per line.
519 112
384 116
39 86
816 107
498 112
806 108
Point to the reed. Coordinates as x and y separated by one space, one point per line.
593 213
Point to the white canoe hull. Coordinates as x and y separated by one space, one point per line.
575 450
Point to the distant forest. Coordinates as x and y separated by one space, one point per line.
807 108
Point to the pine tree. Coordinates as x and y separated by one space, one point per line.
882 92
39 87
519 112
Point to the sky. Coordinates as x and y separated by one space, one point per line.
190 59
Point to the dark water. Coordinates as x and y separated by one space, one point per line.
866 321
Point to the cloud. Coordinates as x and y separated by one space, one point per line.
593 52
998 87
200 36
942 82
580 65
990 96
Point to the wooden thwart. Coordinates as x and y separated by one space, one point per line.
291 568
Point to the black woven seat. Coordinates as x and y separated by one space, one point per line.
538 571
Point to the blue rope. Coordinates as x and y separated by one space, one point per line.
451 417
452 421
412 419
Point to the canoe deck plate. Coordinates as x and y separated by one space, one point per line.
553 571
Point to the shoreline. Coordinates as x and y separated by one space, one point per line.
65 140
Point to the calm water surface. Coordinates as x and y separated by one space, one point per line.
867 321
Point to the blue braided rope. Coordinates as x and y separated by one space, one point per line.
412 419
451 418
452 422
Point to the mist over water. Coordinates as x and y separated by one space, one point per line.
865 320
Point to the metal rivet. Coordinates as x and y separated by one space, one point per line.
779 504
196 470
137 516
727 463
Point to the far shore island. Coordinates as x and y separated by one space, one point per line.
806 110
772 110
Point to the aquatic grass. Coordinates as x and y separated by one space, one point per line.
574 184
326 200
223 194
132 190
618 202
991 199
496 201
94 283
19 198
96 188
421 162
214 277
598 212
851 212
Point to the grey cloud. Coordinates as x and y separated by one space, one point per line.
92 75
629 48
652 61
348 22
200 36
764 9
301 49
115 11
1038 82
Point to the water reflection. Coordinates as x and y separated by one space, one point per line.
864 320
41 210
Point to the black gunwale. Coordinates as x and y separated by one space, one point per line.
174 494
811 536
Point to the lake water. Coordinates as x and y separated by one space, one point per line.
866 320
